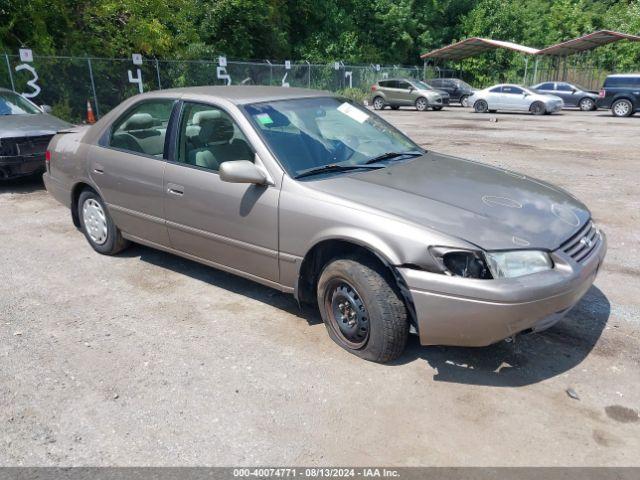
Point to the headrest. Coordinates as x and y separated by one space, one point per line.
198 117
214 130
139 121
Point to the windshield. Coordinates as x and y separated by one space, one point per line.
422 85
13 104
310 133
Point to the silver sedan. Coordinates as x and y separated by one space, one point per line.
510 97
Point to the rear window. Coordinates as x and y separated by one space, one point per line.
622 81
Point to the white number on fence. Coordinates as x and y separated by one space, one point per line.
221 73
137 79
349 75
32 83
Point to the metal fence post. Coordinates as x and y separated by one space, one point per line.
309 66
158 73
6 57
93 87
270 73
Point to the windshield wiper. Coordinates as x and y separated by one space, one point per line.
390 155
334 167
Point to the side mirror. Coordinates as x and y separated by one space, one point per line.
242 171
525 94
411 88
46 108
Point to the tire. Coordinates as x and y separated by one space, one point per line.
622 108
421 104
481 106
378 103
394 107
538 108
362 309
97 225
587 104
436 109
464 100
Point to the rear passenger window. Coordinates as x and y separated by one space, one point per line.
143 129
496 90
546 86
210 137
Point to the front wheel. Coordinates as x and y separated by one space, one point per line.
622 108
97 225
587 104
378 103
362 309
422 104
464 100
481 106
538 108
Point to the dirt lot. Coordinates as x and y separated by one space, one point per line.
148 359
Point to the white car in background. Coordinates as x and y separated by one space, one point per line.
514 98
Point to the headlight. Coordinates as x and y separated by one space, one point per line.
461 263
517 263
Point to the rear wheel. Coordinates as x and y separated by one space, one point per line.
537 108
422 104
362 309
587 104
481 106
378 103
622 108
97 225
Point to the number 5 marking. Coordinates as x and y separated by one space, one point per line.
32 83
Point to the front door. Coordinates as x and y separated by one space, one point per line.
128 168
513 98
233 225
406 93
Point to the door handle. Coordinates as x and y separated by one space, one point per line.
174 189
99 169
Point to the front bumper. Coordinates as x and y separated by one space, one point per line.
21 165
475 313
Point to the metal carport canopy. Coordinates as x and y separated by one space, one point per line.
474 46
587 42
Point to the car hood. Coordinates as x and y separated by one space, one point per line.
30 125
492 208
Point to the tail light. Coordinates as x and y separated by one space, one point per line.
374 88
47 158
602 93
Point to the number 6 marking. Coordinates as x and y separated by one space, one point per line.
32 83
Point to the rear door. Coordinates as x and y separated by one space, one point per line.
548 88
233 225
494 98
128 166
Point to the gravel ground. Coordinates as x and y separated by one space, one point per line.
149 359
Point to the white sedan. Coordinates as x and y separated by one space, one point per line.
514 98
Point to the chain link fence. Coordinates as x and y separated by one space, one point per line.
67 83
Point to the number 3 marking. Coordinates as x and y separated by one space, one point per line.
32 83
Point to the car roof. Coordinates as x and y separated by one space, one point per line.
240 95
406 79
623 75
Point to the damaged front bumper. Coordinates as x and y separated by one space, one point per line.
470 312
21 165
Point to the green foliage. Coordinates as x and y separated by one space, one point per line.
63 110
355 94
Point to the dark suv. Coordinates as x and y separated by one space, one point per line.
621 93
458 90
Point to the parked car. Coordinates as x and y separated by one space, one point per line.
458 90
314 195
25 131
398 92
621 93
514 98
571 94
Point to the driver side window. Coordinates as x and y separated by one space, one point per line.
209 137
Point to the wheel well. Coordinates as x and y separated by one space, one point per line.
78 188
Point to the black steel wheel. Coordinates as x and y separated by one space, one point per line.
362 308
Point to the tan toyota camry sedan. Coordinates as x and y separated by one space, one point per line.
314 195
